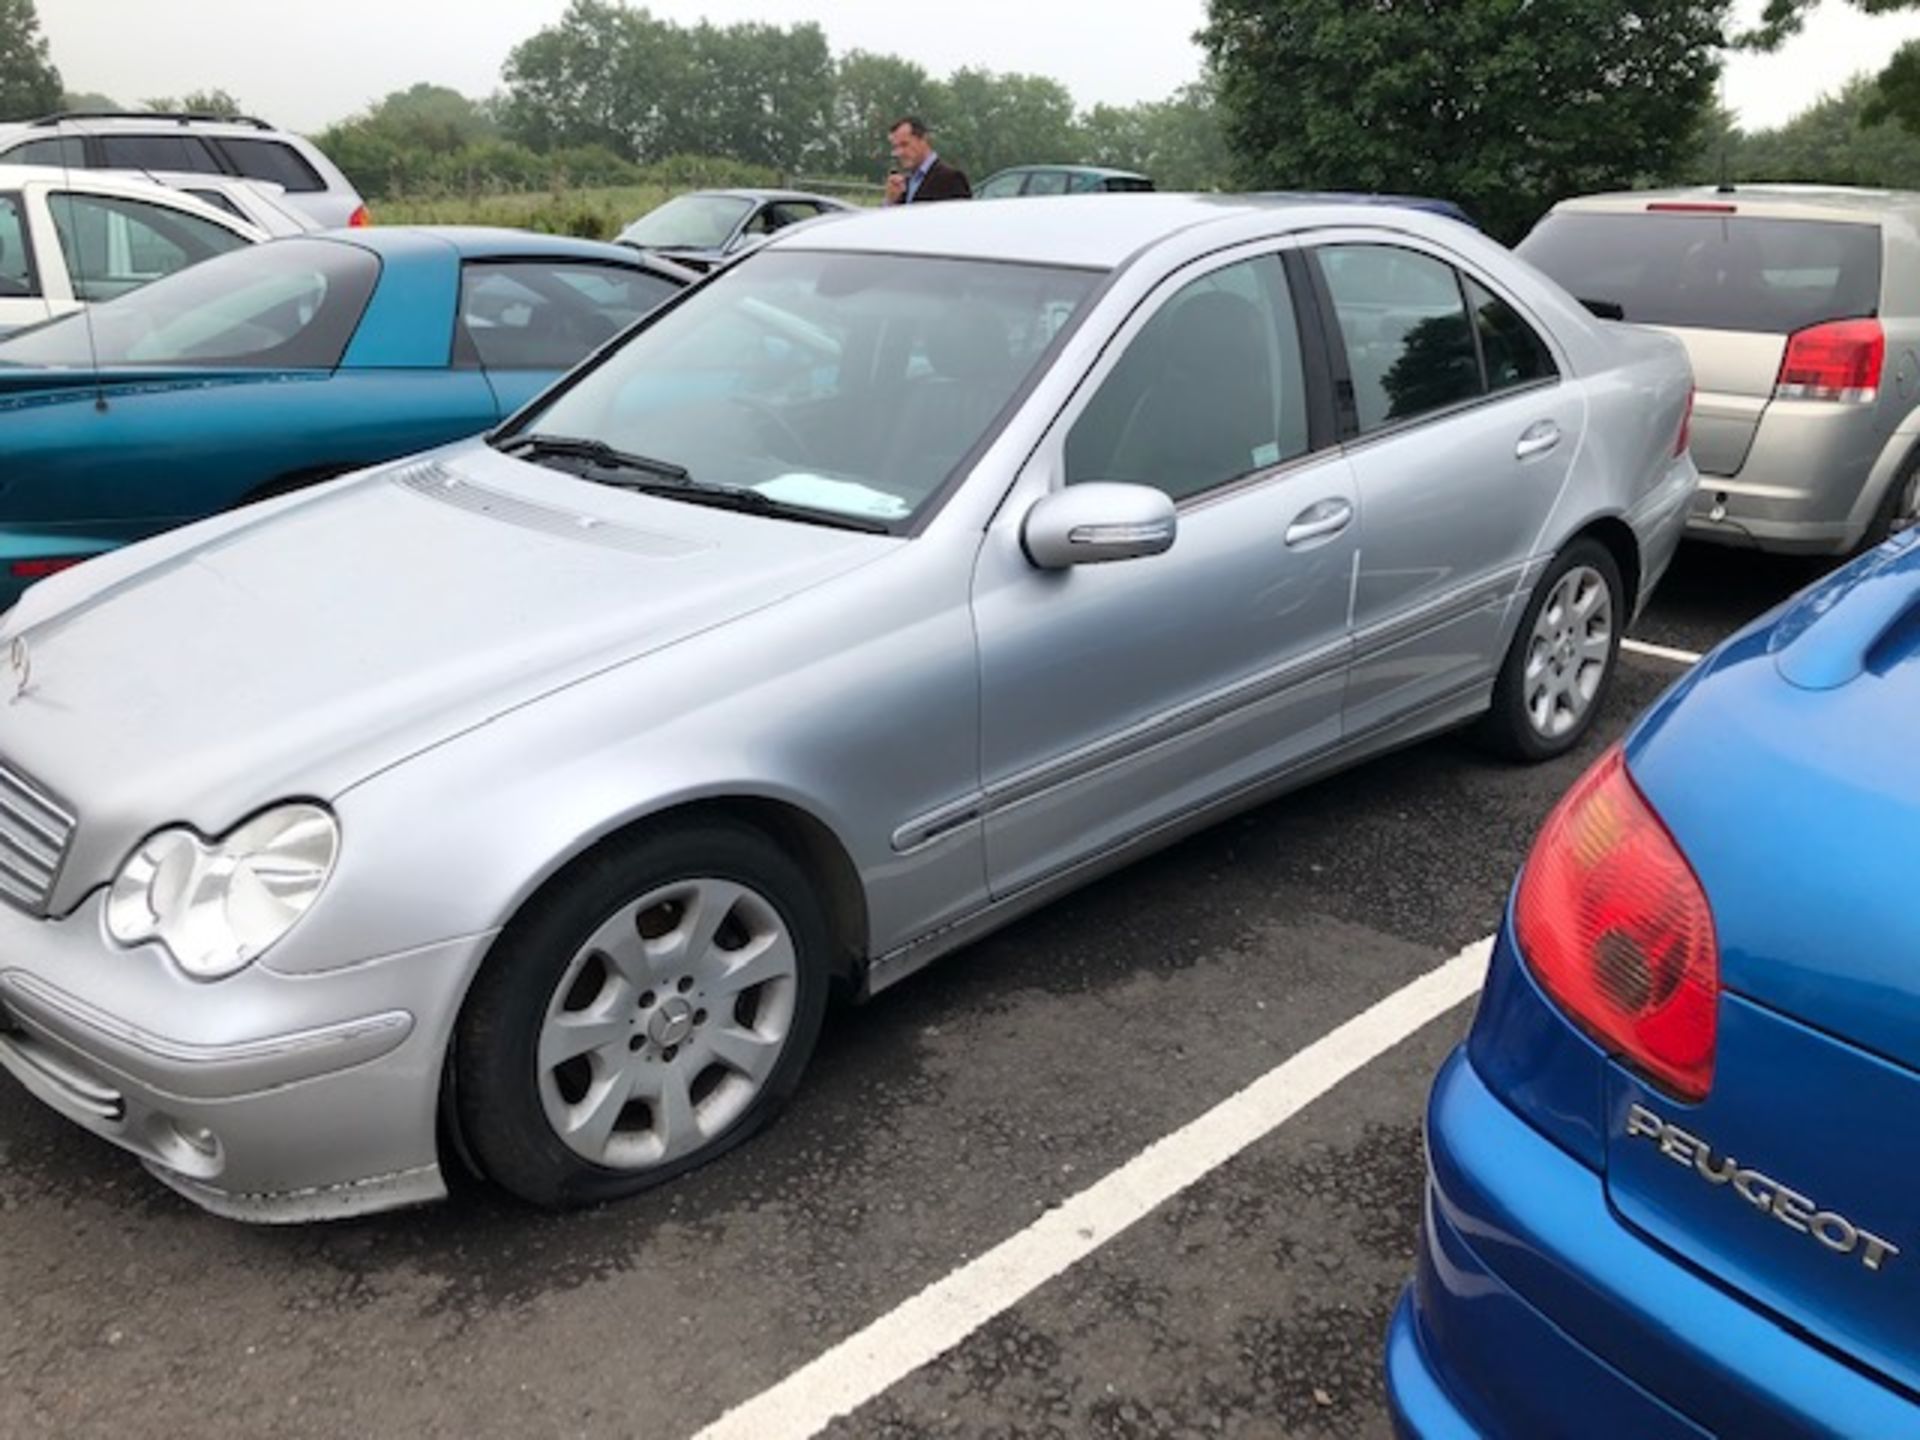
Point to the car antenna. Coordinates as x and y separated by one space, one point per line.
78 276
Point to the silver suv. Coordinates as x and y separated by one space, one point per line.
201 144
1800 307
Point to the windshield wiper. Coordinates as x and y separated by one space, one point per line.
595 452
751 502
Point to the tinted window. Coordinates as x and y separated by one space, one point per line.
69 152
1131 184
999 187
793 212
851 383
158 152
292 304
1514 353
1209 390
1713 272
1047 182
273 160
114 245
531 315
16 262
1404 327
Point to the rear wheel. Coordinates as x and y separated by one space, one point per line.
1899 508
647 1014
1562 659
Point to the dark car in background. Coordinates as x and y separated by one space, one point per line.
1060 180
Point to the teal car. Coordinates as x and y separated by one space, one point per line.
283 364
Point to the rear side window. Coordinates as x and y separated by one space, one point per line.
16 261
538 315
1515 354
1210 389
293 304
113 245
69 152
1404 327
1713 272
1047 182
158 152
273 160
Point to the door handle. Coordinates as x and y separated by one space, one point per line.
1319 520
1537 440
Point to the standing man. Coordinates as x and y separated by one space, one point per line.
920 173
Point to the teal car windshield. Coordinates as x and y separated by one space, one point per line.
690 222
292 304
844 383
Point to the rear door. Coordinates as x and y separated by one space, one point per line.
1462 434
1732 287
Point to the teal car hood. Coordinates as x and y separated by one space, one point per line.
300 646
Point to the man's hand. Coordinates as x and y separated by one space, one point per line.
896 189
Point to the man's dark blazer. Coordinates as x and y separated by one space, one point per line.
943 182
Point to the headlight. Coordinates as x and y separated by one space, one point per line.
217 906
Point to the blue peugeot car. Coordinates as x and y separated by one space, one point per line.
282 364
1673 1185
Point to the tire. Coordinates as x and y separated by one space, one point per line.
1899 507
688 964
1562 659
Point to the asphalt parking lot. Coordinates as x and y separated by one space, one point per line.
939 1121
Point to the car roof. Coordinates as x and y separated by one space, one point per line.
237 125
746 192
479 242
1770 201
1095 231
1104 171
117 182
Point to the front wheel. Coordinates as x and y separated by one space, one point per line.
650 1012
1562 658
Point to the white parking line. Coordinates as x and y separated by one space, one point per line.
868 1363
1660 652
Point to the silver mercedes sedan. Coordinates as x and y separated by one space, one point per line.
520 804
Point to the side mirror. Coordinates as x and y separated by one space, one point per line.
1090 524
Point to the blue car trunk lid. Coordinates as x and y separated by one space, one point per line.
1787 771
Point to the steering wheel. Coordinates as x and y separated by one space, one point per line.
802 450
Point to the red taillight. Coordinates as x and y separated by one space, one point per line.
1685 436
1614 925
1840 360
37 569
360 216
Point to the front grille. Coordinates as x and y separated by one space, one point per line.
34 832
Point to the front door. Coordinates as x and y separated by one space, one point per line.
1462 438
1118 697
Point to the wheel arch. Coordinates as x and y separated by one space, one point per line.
1621 543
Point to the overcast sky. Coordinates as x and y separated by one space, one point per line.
304 63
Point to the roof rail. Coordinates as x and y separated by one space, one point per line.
179 117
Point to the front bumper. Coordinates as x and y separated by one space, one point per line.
264 1096
1535 1311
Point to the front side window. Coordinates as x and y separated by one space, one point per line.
539 315
846 383
290 305
1000 187
1405 331
1515 354
1211 389
275 161
1047 182
16 262
158 152
113 245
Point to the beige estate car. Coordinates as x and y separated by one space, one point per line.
1800 308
